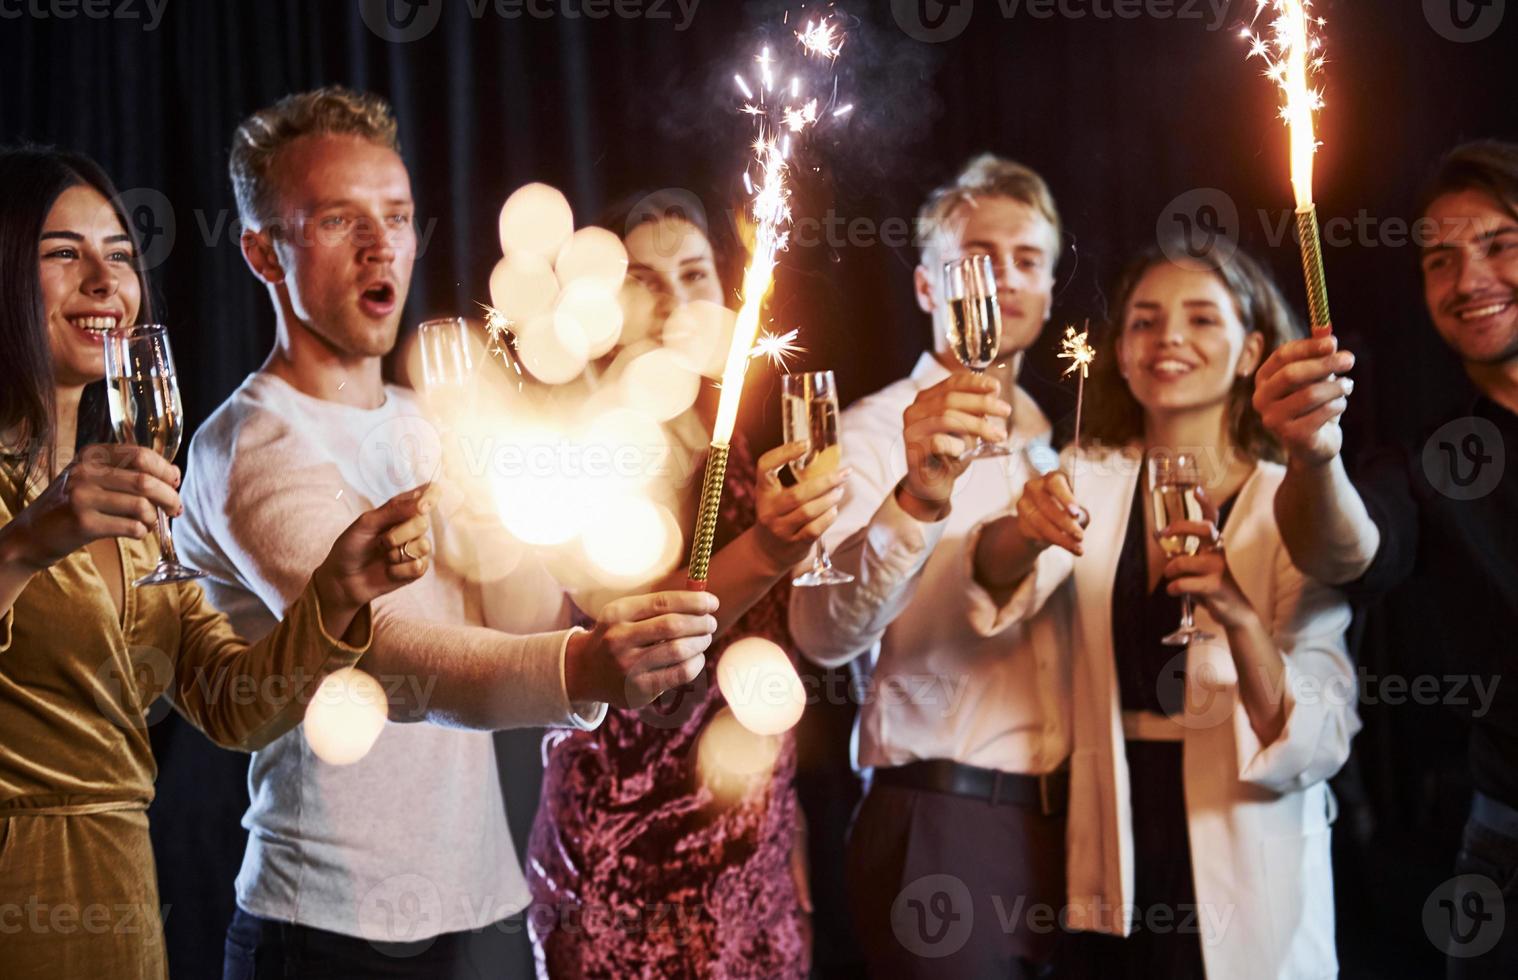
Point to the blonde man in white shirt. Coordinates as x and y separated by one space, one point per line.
396 864
955 860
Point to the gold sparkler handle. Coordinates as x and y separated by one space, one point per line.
1312 267
706 517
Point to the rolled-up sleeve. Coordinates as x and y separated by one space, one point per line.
1309 621
988 617
874 540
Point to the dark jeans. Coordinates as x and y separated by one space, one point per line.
261 949
944 886
1481 946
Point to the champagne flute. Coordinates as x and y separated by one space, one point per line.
809 405
974 326
447 355
142 389
1174 485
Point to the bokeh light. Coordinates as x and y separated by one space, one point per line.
761 686
536 220
345 718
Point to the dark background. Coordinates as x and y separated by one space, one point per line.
1122 115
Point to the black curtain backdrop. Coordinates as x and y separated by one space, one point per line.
1123 114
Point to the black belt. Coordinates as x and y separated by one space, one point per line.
1049 794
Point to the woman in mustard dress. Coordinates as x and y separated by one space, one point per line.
82 653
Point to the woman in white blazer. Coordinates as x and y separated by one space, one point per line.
1198 841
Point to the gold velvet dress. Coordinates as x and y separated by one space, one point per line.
78 890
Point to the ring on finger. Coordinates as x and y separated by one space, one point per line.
406 552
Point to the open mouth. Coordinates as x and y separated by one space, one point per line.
1473 314
1168 367
378 300
94 326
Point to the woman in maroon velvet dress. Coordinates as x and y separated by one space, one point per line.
641 863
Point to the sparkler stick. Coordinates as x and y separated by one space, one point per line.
771 212
1292 54
1080 354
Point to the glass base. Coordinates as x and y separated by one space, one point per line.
167 572
821 575
988 450
1185 635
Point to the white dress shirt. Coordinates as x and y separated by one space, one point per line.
937 688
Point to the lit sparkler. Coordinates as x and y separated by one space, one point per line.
1075 349
778 349
1292 55
765 178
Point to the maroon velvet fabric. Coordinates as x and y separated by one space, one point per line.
636 868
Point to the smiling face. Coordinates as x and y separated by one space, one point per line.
344 240
1470 277
1182 345
1023 246
89 282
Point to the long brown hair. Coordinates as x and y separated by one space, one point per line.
1115 418
32 178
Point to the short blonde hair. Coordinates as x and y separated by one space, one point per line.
987 175
257 143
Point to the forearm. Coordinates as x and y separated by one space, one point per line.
338 611
17 567
1324 523
1004 557
833 625
1262 672
469 676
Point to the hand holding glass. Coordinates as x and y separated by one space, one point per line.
974 326
809 405
142 389
1174 485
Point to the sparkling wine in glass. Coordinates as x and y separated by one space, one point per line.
142 390
809 404
974 325
1174 485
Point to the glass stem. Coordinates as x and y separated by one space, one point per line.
166 540
1186 621
824 560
